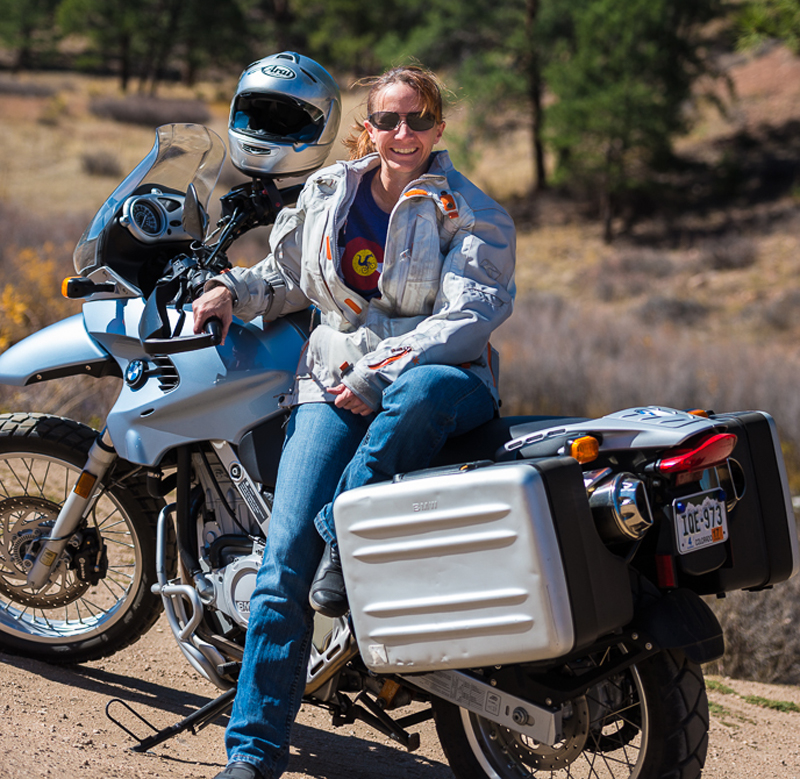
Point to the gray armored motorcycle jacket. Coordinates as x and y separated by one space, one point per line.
447 281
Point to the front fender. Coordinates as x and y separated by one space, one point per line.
61 349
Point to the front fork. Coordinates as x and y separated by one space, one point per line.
101 456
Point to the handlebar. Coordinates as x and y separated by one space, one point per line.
244 207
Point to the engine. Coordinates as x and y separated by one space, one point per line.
234 585
230 543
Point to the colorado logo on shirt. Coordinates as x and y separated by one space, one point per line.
362 263
365 263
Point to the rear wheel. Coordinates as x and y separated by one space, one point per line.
648 722
78 615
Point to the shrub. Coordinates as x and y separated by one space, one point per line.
762 634
783 313
30 295
630 272
729 253
34 256
683 311
150 111
562 359
101 163
25 88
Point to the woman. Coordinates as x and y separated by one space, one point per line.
411 267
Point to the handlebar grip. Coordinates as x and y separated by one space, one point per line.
211 336
213 327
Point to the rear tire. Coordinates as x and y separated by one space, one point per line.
70 620
648 722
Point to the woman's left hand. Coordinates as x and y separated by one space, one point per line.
347 399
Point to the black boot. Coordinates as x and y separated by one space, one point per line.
239 770
327 595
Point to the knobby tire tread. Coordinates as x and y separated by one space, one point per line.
683 689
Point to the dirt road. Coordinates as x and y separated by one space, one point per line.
53 726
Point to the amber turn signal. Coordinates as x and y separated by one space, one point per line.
584 449
65 286
76 287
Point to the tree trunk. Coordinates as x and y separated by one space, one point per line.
24 58
165 44
283 17
533 69
124 61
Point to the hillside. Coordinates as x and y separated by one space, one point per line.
713 242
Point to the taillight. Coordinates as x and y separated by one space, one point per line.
710 452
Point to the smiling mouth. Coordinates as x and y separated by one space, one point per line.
404 152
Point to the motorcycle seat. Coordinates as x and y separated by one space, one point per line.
259 450
486 442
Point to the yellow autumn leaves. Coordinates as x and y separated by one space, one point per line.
30 294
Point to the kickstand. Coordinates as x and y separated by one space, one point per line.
195 721
376 718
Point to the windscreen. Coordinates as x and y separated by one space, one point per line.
182 154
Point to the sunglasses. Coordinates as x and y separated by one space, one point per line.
390 120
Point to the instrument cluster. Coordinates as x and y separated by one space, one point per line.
154 217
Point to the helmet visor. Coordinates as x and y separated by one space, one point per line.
277 119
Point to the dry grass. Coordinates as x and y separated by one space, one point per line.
762 635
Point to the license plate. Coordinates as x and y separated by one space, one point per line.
701 520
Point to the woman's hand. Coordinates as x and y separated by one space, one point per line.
347 399
217 302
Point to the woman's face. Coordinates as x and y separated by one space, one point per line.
404 152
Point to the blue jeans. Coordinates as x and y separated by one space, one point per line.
327 451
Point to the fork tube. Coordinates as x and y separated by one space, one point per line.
183 513
101 456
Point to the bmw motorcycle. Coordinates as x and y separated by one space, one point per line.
538 591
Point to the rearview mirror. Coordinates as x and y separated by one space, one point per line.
194 217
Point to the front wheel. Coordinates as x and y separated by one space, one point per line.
648 722
75 617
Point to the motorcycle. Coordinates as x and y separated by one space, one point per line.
538 591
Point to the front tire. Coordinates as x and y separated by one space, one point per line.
71 620
648 722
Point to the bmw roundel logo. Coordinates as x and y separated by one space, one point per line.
134 373
279 71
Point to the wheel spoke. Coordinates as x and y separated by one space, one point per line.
32 490
602 736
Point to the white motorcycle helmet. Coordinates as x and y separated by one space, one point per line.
284 117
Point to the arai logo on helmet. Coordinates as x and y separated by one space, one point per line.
279 71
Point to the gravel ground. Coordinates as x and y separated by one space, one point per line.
54 726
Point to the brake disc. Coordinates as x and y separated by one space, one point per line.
543 757
23 522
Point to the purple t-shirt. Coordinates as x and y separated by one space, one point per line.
363 239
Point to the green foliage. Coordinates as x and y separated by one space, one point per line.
620 86
769 703
616 73
27 28
763 19
346 32
146 38
713 684
494 52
